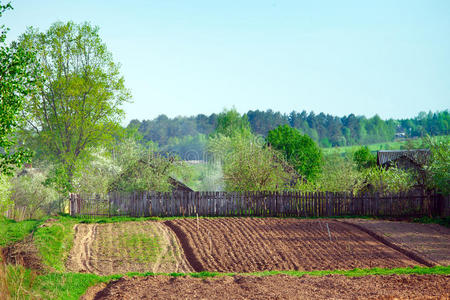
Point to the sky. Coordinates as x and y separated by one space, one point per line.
390 58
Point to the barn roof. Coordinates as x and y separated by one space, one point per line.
418 156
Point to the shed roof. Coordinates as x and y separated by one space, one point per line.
418 156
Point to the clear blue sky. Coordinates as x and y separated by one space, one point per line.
390 58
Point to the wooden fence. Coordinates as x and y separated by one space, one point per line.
281 204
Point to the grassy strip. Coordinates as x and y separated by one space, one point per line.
24 284
437 270
444 221
55 241
12 231
117 219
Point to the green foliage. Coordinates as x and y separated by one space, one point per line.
148 173
247 165
299 150
253 168
230 123
364 158
392 180
78 105
339 174
12 231
58 179
438 169
17 82
187 147
5 200
322 128
98 172
207 176
31 198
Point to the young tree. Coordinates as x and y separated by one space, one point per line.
388 180
364 159
339 174
438 168
17 81
250 167
299 150
78 105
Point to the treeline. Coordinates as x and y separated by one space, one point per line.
325 129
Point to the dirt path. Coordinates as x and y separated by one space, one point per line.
429 241
279 287
258 244
80 254
118 248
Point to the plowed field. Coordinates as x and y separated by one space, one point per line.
280 287
118 248
255 244
430 241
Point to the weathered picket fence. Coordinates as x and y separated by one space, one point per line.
277 204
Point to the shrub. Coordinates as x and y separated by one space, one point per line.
31 198
389 180
364 158
299 150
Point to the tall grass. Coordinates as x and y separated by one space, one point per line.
16 282
4 291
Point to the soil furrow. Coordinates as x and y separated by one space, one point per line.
118 248
259 244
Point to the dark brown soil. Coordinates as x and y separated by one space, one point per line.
24 253
280 287
430 241
255 244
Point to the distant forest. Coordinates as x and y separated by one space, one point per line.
182 134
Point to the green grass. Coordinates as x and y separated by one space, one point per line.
396 145
55 241
25 284
445 221
117 219
73 285
12 231
141 247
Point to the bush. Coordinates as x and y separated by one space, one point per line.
149 173
247 164
339 174
392 180
31 198
253 168
364 159
299 150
